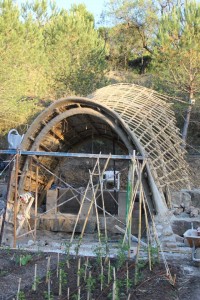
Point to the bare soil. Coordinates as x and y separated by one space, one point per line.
151 284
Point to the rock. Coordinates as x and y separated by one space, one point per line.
55 245
30 243
180 226
2 205
195 197
167 231
186 199
179 239
178 211
171 245
159 227
197 253
168 239
182 198
194 213
189 209
176 199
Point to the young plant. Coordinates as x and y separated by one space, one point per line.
122 254
48 296
23 260
21 296
90 285
62 280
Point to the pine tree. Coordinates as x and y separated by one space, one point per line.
177 53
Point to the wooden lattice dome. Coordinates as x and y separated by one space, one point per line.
140 118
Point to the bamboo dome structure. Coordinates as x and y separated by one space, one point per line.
138 118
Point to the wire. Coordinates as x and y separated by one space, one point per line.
8 165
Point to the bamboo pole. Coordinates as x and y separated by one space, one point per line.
78 272
88 288
109 275
48 269
148 231
127 278
79 293
114 293
35 278
81 206
15 200
49 288
92 202
101 277
60 283
18 289
95 205
36 204
103 205
86 266
58 262
139 223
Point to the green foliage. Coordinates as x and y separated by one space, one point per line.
47 296
23 259
45 53
37 281
76 53
21 296
122 254
90 284
141 264
176 56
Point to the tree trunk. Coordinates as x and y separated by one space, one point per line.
187 120
186 124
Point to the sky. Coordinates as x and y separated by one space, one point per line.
94 6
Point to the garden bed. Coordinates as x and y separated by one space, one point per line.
95 276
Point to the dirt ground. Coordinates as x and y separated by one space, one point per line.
151 285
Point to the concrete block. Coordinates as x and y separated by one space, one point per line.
122 205
86 205
51 201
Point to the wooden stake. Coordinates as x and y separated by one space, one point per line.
79 293
88 290
36 204
139 223
16 200
81 206
101 277
109 271
49 289
68 293
148 231
35 279
92 201
114 297
127 277
19 287
103 206
78 272
60 283
58 262
86 266
48 269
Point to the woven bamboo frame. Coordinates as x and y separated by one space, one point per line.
141 117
